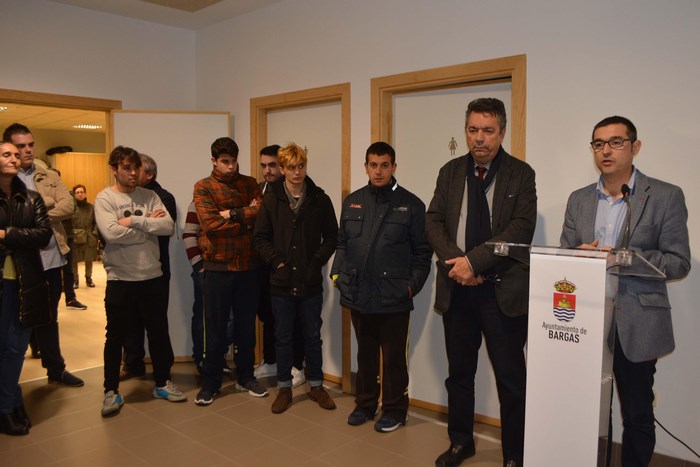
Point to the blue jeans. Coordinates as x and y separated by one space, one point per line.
13 345
227 292
308 310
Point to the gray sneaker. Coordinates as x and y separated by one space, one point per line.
169 392
112 403
254 388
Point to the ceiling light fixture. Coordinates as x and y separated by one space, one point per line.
2 108
84 126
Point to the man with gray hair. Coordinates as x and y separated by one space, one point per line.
485 195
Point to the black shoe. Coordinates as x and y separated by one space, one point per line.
75 305
21 416
455 455
36 353
10 426
358 417
67 379
88 282
76 284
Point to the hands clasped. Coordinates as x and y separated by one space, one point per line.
462 272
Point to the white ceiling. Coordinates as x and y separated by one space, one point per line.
186 14
49 118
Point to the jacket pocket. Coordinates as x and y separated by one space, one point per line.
347 285
393 288
280 277
654 301
396 226
352 223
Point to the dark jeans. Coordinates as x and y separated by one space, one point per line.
47 336
387 332
635 382
13 345
198 317
68 276
125 302
474 311
134 350
268 320
226 292
307 310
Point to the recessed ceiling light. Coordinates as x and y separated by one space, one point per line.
2 108
84 126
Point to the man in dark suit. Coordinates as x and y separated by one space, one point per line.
642 330
485 195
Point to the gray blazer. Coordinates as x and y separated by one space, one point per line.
659 232
513 218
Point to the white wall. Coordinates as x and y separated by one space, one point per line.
50 47
586 60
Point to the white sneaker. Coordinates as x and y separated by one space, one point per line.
265 370
298 377
169 392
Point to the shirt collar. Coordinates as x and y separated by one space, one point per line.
631 183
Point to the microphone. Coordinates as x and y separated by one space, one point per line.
625 189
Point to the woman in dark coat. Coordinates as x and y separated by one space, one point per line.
84 235
24 230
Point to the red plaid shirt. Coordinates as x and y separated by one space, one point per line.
227 245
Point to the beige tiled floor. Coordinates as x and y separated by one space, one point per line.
236 430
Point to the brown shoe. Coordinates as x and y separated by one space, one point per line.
125 374
321 396
283 400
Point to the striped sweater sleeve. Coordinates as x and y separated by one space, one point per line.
190 235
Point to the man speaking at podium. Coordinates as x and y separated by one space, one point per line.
656 228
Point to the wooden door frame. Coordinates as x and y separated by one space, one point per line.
507 69
500 70
67 102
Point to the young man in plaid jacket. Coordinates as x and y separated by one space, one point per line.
227 204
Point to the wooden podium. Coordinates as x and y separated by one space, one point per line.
569 363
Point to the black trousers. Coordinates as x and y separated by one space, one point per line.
47 336
68 276
473 312
388 333
126 302
134 350
635 382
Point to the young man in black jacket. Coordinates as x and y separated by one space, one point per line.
296 233
382 262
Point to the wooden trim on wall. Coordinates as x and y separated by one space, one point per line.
443 409
259 108
508 69
58 100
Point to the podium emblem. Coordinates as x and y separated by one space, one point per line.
564 300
